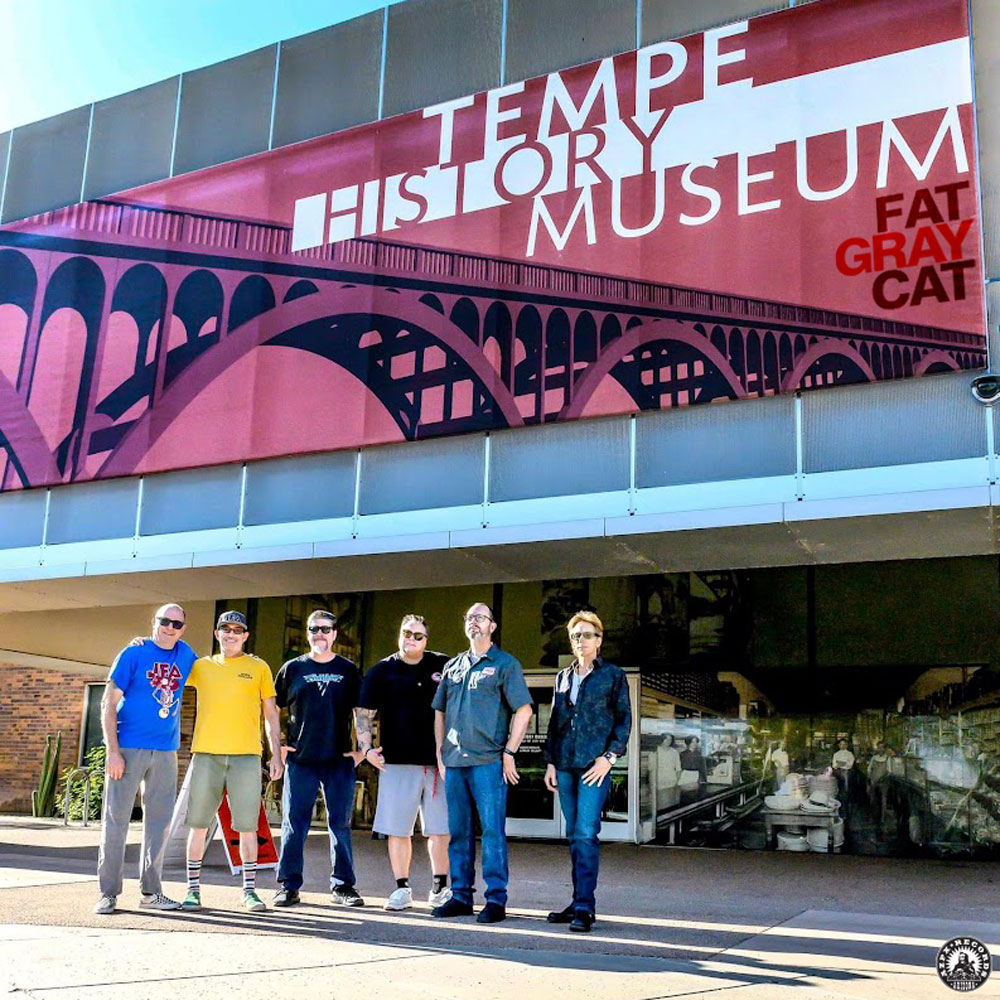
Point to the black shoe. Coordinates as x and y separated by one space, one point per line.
561 916
346 895
285 897
491 913
453 908
582 921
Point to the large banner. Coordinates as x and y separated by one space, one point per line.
774 205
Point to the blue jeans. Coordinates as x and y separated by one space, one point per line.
581 808
298 796
481 787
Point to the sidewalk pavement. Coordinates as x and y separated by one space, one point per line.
672 923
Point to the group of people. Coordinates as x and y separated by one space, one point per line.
450 730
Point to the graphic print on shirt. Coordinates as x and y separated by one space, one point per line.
165 681
322 680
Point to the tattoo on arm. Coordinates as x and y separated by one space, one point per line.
363 718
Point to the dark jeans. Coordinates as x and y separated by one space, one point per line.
581 808
480 787
302 783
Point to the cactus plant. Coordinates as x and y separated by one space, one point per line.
43 798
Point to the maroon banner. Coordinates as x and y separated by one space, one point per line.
778 204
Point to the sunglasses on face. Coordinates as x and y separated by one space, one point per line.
407 634
478 618
325 629
580 636
170 622
235 629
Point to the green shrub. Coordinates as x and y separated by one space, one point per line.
94 762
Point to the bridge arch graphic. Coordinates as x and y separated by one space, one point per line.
719 379
820 350
32 458
345 325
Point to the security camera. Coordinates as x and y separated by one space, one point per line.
986 388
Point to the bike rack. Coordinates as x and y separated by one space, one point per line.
73 775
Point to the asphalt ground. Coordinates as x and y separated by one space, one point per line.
672 922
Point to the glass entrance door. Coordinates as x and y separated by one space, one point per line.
532 810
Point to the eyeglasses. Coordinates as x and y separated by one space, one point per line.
478 618
325 629
407 634
170 622
580 636
234 629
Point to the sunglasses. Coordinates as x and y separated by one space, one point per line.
170 622
234 629
407 634
580 636
325 629
478 618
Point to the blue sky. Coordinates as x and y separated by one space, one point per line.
60 54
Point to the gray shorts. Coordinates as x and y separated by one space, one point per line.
404 790
211 775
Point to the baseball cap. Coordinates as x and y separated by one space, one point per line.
232 618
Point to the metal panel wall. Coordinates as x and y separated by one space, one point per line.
192 500
538 41
676 18
22 519
422 475
585 456
225 111
45 166
893 423
300 488
88 512
131 139
744 440
328 80
439 49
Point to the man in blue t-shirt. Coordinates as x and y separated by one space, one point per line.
141 719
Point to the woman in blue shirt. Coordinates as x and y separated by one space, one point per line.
588 731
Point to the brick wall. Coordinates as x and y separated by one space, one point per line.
35 701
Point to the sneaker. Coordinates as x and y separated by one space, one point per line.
285 897
453 908
440 897
562 916
346 895
157 901
401 899
106 904
192 901
491 913
252 902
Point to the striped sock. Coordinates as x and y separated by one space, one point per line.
194 875
249 876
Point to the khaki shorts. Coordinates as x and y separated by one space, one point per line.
213 773
404 791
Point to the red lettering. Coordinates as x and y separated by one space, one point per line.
878 290
860 263
922 207
950 191
928 285
646 141
415 197
882 211
955 240
925 244
957 270
888 245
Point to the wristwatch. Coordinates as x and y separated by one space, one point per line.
611 757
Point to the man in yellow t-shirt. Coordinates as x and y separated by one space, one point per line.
233 687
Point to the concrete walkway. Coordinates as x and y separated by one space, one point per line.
673 923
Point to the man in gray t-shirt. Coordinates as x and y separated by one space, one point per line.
476 742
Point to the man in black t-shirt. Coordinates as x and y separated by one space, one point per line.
320 691
400 689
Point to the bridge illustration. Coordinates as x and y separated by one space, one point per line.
114 317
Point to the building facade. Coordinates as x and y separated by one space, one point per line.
427 308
